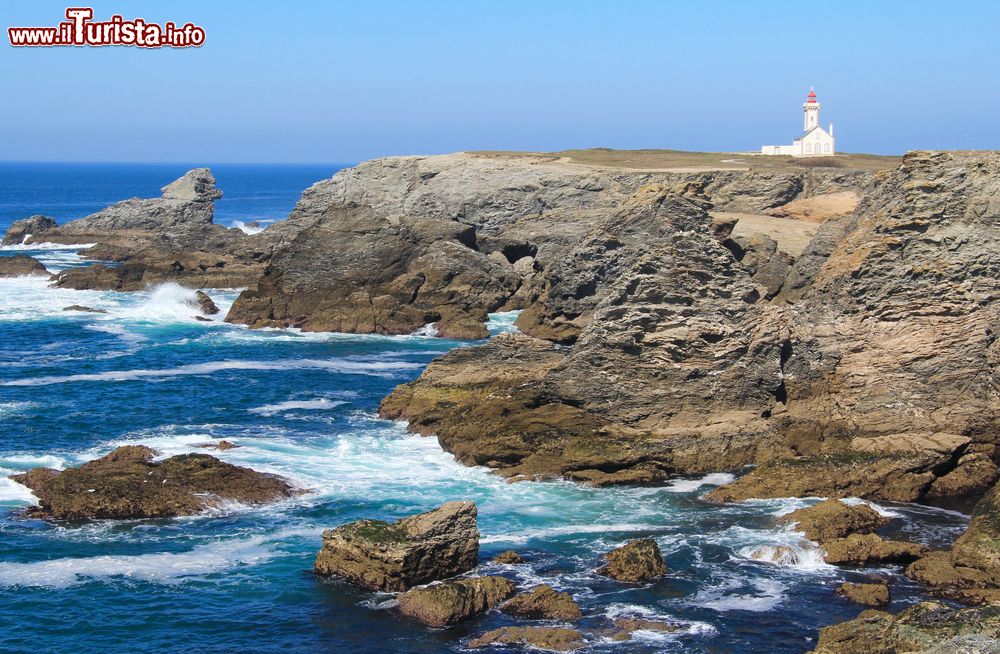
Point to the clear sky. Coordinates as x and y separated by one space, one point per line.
286 81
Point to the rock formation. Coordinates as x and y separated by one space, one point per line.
129 483
448 602
510 557
20 265
925 628
636 561
834 519
398 556
874 594
555 639
543 603
22 230
625 628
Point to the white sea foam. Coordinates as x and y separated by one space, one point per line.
318 404
247 228
12 492
160 567
14 408
373 368
688 485
502 321
685 627
40 247
755 594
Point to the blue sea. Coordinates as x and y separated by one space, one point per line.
74 386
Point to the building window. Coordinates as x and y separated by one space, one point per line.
826 147
809 148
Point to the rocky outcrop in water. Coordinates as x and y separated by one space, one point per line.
834 519
636 561
449 602
20 265
925 628
129 483
397 556
555 639
543 603
873 594
170 238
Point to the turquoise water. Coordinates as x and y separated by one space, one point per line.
74 386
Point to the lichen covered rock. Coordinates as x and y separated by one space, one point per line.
449 602
397 556
636 561
543 603
557 639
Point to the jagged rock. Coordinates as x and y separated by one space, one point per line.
448 602
557 639
20 230
128 483
543 603
21 265
397 556
970 571
833 519
510 557
80 307
222 445
205 303
768 266
636 561
925 628
876 594
868 549
626 627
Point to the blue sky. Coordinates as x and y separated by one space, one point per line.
346 81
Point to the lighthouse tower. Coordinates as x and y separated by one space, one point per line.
814 141
810 109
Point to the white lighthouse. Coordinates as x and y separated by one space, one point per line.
814 140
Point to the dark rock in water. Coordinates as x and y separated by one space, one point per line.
556 639
205 302
870 549
80 307
833 519
636 561
448 602
21 265
397 556
222 446
127 483
544 603
626 627
876 594
510 557
32 226
202 319
925 628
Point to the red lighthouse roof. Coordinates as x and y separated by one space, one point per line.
811 98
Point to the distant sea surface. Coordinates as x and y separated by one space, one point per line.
66 191
73 386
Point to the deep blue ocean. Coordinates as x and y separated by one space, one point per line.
74 386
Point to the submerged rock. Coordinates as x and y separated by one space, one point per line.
925 628
510 557
626 627
636 561
21 265
833 519
557 639
874 594
83 309
776 554
222 445
397 556
448 602
128 483
544 603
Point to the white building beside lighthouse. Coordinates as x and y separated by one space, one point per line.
814 140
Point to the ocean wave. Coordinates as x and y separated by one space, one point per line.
688 485
340 366
41 247
160 567
685 627
246 228
318 404
755 594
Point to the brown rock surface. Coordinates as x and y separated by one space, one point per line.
833 519
636 561
397 556
128 483
20 230
448 602
557 639
543 603
870 549
21 265
867 594
510 557
626 627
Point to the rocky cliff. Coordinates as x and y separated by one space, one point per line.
394 244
